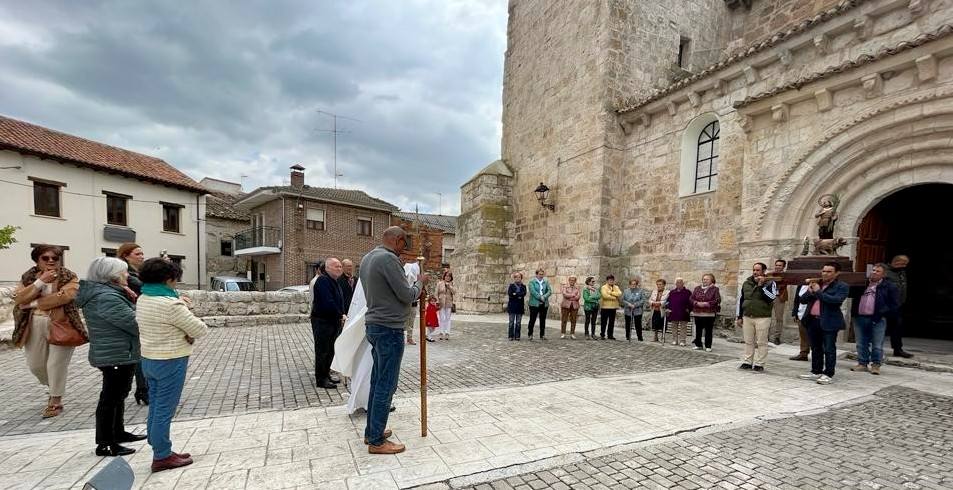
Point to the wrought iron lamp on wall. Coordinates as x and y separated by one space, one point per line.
542 194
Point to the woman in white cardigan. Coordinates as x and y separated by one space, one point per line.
167 330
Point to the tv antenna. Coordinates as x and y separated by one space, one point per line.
334 132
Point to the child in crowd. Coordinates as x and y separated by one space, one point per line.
430 317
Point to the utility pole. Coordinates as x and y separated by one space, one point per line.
334 138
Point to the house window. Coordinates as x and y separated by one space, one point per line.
109 252
365 227
706 162
46 198
176 259
171 214
226 250
315 219
116 208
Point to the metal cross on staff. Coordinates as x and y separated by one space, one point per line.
423 329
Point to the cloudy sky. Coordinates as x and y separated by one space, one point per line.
232 89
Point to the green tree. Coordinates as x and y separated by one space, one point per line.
6 236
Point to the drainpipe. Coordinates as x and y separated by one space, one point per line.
284 278
198 241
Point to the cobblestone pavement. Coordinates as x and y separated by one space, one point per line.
237 370
901 439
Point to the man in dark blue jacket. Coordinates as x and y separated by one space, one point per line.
327 316
824 320
872 305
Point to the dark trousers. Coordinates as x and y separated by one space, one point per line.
895 330
117 381
387 350
629 320
325 333
142 389
607 318
704 325
591 317
823 348
539 311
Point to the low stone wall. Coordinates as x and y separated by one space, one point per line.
248 309
6 304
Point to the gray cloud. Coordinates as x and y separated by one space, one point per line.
226 89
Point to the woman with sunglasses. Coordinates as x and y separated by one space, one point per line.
45 294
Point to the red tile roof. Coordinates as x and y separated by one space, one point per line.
31 139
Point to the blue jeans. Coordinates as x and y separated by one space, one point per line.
870 340
514 330
823 348
387 349
165 378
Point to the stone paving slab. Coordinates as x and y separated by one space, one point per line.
484 435
900 439
239 370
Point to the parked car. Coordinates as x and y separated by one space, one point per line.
231 283
295 289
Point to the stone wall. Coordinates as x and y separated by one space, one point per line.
6 305
247 309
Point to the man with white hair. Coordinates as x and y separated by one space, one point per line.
327 317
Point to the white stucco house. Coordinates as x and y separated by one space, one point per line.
89 198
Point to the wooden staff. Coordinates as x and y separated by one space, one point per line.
423 333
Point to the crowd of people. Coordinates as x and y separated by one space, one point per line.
140 328
672 310
137 326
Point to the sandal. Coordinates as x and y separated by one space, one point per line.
52 411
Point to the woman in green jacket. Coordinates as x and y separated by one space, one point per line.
591 297
106 302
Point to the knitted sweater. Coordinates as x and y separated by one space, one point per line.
164 323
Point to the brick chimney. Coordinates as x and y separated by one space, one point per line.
297 176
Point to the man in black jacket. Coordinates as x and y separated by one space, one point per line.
327 317
347 283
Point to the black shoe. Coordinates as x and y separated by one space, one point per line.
142 397
902 353
798 358
113 450
327 384
130 437
745 366
611 338
392 408
758 369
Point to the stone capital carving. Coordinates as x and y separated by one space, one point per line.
784 56
672 108
825 100
780 112
863 26
694 98
873 85
917 7
645 118
926 68
751 74
746 123
822 43
721 87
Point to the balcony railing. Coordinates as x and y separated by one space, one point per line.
259 236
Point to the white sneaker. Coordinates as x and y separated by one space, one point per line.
572 337
810 376
562 336
675 342
696 347
772 344
708 349
824 380
682 344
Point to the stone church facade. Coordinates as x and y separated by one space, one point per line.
680 137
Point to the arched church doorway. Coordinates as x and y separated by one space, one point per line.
916 222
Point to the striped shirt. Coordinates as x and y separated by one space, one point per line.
163 324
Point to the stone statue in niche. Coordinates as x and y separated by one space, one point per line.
827 216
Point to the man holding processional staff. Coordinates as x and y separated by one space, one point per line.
388 299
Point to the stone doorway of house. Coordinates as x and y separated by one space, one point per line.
916 222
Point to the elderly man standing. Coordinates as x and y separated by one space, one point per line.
877 300
327 317
388 301
754 315
347 283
